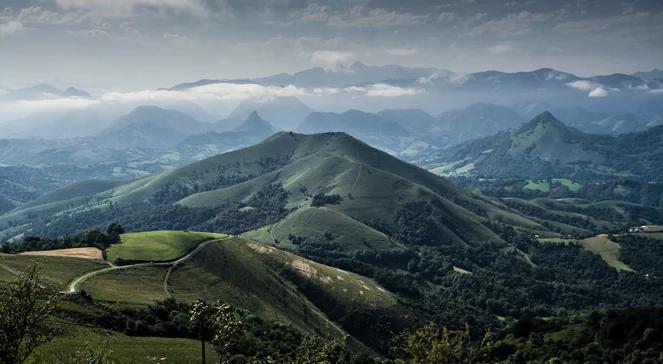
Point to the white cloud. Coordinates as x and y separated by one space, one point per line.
598 92
331 60
383 90
14 109
402 51
10 27
582 85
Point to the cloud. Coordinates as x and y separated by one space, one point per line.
331 60
582 85
598 92
10 27
360 16
402 51
383 90
127 7
14 109
500 49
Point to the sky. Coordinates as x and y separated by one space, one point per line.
107 45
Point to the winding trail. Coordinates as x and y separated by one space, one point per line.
72 288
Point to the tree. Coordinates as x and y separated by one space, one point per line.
437 344
114 231
24 307
219 323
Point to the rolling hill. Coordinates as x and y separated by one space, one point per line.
545 147
277 180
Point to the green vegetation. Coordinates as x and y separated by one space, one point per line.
131 286
25 304
541 185
123 348
57 270
157 245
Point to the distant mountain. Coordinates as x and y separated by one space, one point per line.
650 75
476 121
371 128
357 73
284 112
545 147
457 125
45 91
632 118
74 92
150 127
198 146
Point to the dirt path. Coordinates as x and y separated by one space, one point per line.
11 270
72 288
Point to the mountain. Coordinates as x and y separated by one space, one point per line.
371 128
249 182
150 127
545 147
650 75
45 91
285 112
251 131
476 121
356 73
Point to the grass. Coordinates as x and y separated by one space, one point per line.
229 270
600 245
348 234
607 249
250 275
60 270
132 286
572 186
541 185
125 349
163 245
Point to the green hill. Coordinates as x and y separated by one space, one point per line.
545 147
235 192
157 245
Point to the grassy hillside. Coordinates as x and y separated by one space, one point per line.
157 245
277 285
132 286
59 270
74 190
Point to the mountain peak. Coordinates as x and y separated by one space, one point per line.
254 122
75 92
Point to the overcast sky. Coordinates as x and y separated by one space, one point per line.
130 44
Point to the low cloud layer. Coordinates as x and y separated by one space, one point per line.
203 95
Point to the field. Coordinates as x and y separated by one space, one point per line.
156 246
600 245
542 186
83 253
607 249
132 286
59 270
125 349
